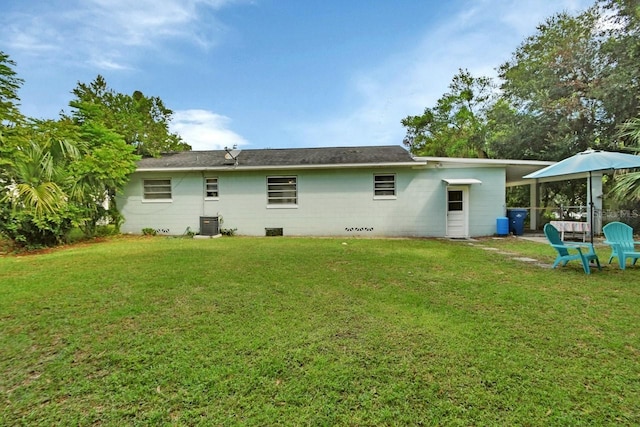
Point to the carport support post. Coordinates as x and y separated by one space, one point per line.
594 188
533 202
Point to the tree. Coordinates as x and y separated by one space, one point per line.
9 112
627 185
32 197
102 170
143 122
568 88
35 208
9 85
550 82
61 178
57 174
456 126
570 85
513 134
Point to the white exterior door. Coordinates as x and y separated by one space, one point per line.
457 212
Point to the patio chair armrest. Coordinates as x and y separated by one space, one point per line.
569 246
606 242
582 245
615 246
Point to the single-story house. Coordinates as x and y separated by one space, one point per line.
334 191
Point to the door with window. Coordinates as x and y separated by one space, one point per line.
457 213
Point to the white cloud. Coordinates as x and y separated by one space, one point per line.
105 63
32 36
111 30
479 38
205 130
139 23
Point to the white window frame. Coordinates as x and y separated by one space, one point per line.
157 184
279 188
209 182
458 204
381 187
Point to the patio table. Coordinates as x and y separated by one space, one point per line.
572 227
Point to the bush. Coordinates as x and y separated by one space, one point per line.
106 230
148 231
228 231
32 232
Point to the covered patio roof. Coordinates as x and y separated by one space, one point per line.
515 169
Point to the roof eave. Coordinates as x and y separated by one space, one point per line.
486 162
281 167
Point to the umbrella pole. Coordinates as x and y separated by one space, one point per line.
591 207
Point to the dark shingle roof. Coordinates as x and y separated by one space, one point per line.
286 157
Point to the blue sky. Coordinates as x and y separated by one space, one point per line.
267 73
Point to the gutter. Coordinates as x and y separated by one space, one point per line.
282 167
474 161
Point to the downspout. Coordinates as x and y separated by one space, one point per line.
203 192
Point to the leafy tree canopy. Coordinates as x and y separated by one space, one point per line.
9 109
566 88
9 85
143 122
57 174
566 84
456 126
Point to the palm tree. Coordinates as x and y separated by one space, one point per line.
627 185
33 187
37 173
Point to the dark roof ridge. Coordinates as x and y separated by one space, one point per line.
343 147
284 157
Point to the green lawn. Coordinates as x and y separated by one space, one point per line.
296 331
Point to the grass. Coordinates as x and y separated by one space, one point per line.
297 331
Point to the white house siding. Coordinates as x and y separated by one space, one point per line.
166 217
486 200
337 202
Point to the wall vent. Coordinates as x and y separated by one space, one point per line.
273 232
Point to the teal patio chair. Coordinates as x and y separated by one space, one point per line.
619 236
584 251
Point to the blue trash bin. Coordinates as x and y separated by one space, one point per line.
502 226
516 220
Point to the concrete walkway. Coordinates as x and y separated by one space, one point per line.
538 238
513 255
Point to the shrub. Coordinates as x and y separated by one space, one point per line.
106 230
29 231
148 231
228 231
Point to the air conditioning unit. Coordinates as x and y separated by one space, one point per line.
209 226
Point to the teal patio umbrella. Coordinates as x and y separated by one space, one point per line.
589 161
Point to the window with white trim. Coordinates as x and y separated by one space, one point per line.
455 200
384 185
211 187
156 189
282 190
